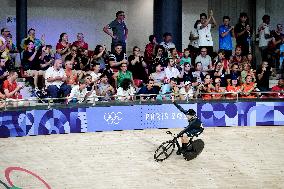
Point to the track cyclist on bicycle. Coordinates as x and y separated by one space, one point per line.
194 126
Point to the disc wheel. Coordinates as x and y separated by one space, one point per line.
164 150
195 148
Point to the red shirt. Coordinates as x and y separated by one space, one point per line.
72 78
277 88
231 88
83 45
60 46
149 52
248 87
11 87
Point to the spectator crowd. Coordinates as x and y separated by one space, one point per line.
160 72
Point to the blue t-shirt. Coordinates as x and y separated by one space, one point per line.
225 42
145 90
118 29
281 56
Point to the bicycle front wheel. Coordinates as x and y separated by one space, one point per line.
164 150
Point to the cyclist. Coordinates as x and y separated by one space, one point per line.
194 126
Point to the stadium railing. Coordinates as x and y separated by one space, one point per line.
49 103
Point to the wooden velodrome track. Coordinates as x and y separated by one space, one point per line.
233 157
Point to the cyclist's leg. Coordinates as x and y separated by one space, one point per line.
184 141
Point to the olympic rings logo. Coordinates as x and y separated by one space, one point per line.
8 173
113 118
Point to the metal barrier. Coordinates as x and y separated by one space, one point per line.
93 101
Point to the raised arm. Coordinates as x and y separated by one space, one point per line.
180 108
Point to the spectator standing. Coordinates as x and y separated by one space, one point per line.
226 33
204 31
167 41
150 50
119 32
243 33
264 36
194 38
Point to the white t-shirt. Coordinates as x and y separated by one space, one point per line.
188 94
206 61
95 76
76 93
266 31
173 72
125 95
51 72
205 37
158 78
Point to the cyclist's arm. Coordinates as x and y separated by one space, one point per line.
179 107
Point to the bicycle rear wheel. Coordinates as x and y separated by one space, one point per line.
164 150
194 149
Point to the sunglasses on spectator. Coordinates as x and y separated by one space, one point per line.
122 15
203 51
